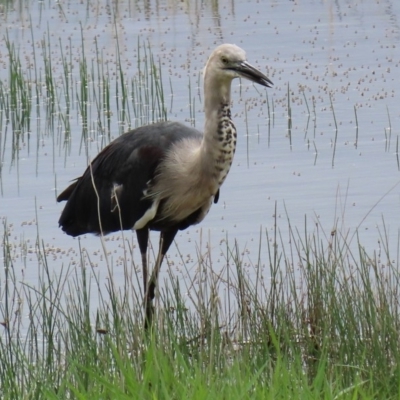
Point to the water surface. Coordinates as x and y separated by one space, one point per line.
330 63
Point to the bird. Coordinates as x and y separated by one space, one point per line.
164 176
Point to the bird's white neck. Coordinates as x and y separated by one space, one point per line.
216 92
219 141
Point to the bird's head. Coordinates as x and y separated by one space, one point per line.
228 61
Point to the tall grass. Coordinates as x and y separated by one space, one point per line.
89 92
16 99
318 321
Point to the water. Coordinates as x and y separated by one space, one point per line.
341 53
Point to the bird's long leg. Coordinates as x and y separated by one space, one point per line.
166 239
143 239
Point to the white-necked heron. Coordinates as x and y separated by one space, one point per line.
163 176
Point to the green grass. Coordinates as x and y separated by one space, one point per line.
319 322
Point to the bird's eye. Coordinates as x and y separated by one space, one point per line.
224 60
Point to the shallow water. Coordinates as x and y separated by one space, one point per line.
341 53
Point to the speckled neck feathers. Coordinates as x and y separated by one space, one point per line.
219 145
219 141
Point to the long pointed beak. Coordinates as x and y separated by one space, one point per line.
247 71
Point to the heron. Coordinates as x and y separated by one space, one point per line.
163 176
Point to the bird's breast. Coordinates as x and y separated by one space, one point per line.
179 207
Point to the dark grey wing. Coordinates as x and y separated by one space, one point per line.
109 195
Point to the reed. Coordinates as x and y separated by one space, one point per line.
317 320
48 80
